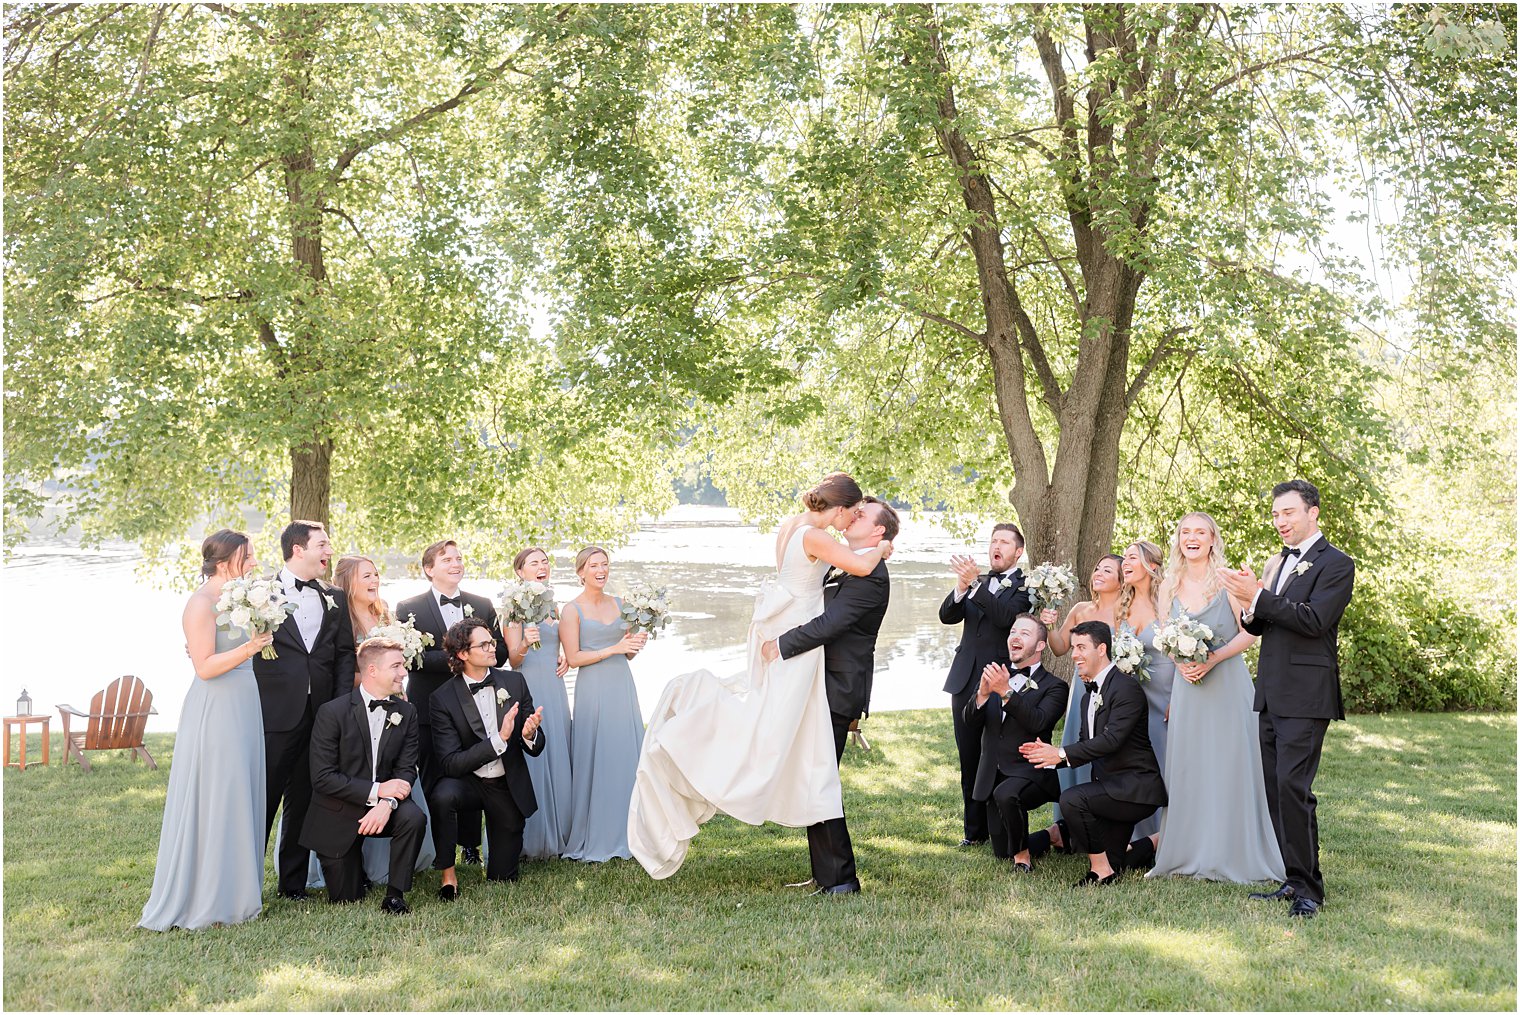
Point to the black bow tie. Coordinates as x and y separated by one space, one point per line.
472 688
1024 672
1291 551
452 600
313 584
384 703
1091 685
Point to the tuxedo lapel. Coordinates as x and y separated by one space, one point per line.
496 686
288 635
434 614
1084 732
387 739
467 704
361 719
1308 558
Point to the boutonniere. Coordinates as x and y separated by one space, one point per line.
332 604
1303 566
469 611
394 719
834 572
1031 685
501 696
1097 700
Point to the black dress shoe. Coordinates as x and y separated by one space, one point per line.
471 855
1305 908
301 895
448 893
1038 844
1020 867
394 904
847 888
1284 891
1091 878
1141 855
964 843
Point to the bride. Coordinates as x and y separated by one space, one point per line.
759 745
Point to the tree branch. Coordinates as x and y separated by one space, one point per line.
354 226
1160 353
239 16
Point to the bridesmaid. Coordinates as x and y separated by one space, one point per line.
1136 613
211 848
1105 586
548 830
609 727
1217 825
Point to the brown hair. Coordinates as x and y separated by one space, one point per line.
1092 593
586 554
1037 622
456 641
370 650
1010 527
224 546
886 517
344 573
431 553
298 533
836 490
523 555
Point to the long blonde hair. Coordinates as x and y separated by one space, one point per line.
1150 559
345 573
1175 564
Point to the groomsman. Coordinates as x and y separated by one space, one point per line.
1296 608
484 728
1126 781
435 611
315 665
363 762
1011 709
986 604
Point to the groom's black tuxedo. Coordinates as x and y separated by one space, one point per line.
292 687
987 614
464 744
1005 779
853 608
1298 693
342 777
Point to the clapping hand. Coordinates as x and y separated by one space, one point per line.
508 722
1242 584
531 724
995 678
1040 754
966 571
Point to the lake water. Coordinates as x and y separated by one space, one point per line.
711 563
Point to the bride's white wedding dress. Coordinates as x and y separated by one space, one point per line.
758 746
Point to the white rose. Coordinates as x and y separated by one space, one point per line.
1187 645
258 595
241 616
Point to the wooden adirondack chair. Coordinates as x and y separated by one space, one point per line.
116 720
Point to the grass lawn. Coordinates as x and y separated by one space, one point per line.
1417 823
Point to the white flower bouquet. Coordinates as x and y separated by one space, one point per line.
1129 656
525 602
1185 640
405 633
1049 585
255 605
646 610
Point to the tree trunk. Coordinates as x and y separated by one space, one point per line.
311 481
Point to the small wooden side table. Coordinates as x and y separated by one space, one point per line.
23 721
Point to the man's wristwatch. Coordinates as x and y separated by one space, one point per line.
392 801
1061 753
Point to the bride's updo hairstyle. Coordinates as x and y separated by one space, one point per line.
224 546
836 490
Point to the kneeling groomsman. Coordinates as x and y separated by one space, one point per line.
363 763
1010 710
1126 781
484 724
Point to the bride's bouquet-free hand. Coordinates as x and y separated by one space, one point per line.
1129 656
412 641
1185 640
255 605
1049 585
646 610
525 602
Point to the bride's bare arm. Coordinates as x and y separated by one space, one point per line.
822 546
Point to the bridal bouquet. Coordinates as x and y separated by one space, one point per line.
412 641
525 602
1049 585
255 605
646 610
1185 640
1129 656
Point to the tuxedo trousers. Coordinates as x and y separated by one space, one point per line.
287 772
1100 824
429 772
1013 797
968 746
452 798
829 847
344 874
1290 750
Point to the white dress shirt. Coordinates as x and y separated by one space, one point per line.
1284 573
309 606
485 703
971 591
377 717
451 614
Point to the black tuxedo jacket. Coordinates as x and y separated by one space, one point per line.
1030 713
341 775
988 616
846 629
327 670
434 672
1119 746
462 744
1298 672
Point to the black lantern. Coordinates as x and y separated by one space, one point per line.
24 703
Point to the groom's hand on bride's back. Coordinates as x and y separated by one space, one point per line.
770 651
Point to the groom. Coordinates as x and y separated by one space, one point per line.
852 613
1296 608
